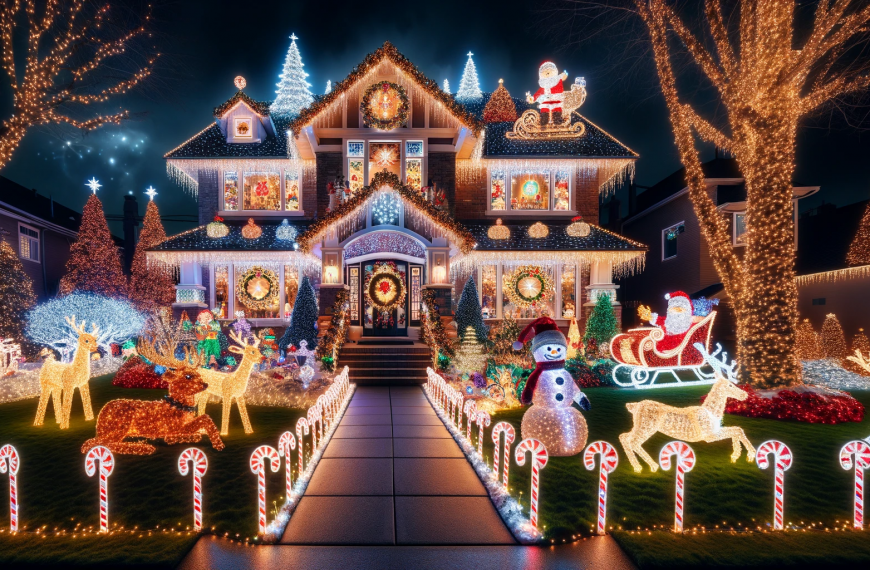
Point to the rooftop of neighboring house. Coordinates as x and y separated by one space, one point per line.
29 201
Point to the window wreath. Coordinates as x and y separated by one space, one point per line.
257 288
527 285
385 287
384 106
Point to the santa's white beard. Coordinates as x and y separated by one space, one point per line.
548 82
678 323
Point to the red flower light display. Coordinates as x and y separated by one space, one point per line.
808 407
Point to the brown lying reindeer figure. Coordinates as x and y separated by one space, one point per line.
172 419
695 423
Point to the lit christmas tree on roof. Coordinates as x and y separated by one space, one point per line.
469 86
859 251
446 87
293 91
500 107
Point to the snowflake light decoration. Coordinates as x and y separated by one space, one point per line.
285 231
386 208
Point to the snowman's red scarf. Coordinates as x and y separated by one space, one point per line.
532 382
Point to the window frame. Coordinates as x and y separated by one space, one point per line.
37 239
734 236
509 173
240 188
664 239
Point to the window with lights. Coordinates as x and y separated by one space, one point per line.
385 156
28 243
540 190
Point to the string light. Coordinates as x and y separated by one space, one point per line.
386 208
500 106
807 340
16 295
833 341
859 249
293 92
469 86
150 286
860 272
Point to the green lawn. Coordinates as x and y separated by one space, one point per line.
718 492
144 491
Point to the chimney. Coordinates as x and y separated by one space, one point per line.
131 221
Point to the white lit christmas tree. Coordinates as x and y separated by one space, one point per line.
446 87
293 91
328 87
469 86
471 356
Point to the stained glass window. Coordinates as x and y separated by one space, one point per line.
356 149
416 275
413 148
231 191
414 173
353 283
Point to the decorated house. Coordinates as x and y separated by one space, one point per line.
388 185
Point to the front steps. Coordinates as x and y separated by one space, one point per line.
385 365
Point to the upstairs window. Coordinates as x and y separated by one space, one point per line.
414 164
356 152
669 240
530 190
28 243
231 191
291 190
385 156
262 191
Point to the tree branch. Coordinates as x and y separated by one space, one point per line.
720 37
706 130
699 53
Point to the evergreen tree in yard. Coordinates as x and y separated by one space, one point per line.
293 91
469 314
500 107
807 341
150 286
94 264
601 325
859 251
302 319
16 293
469 86
833 339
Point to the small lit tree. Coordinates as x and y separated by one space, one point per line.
469 314
808 341
574 339
601 326
469 86
151 286
500 107
859 250
303 319
471 356
833 340
16 293
293 93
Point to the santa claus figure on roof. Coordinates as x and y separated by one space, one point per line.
551 93
676 323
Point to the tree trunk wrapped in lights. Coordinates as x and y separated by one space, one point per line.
150 286
766 81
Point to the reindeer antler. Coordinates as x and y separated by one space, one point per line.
193 357
238 339
148 349
860 360
71 321
720 366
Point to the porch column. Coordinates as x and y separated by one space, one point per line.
189 293
601 283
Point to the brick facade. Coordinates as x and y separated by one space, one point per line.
209 195
471 197
329 165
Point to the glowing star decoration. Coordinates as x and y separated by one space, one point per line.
200 464
94 185
685 461
262 455
151 192
240 82
538 230
857 454
58 380
302 428
782 461
287 443
9 463
693 423
498 231
106 460
229 386
539 461
509 435
483 420
251 230
285 232
470 410
609 460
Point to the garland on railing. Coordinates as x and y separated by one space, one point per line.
331 343
413 199
432 330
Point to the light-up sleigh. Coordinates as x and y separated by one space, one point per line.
640 362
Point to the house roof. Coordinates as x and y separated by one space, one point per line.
389 52
197 239
212 143
31 202
259 107
558 239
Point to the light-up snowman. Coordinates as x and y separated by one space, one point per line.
551 390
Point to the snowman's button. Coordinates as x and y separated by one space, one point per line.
559 397
560 380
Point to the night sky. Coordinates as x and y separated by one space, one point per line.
207 43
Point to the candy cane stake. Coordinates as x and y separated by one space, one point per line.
107 465
9 462
609 460
200 464
483 422
685 460
312 422
261 455
285 444
301 425
782 461
861 450
471 412
539 460
509 435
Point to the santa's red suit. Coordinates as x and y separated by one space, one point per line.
550 98
671 341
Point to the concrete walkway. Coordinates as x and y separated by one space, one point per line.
392 475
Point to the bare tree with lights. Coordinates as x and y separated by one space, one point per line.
768 71
61 56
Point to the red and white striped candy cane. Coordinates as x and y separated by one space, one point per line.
301 425
509 435
861 450
483 421
471 413
609 460
685 461
9 462
782 461
107 465
313 418
286 443
200 465
323 404
261 455
539 460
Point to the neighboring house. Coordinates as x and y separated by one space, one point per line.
679 259
249 163
41 231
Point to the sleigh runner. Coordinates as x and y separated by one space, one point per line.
641 359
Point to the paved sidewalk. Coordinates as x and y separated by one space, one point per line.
392 475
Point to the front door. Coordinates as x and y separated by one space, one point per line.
384 289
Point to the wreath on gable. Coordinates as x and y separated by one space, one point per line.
384 106
257 288
385 287
527 285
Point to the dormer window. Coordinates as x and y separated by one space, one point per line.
244 127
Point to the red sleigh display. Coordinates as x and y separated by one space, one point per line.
636 353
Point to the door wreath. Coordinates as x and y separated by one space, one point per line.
385 286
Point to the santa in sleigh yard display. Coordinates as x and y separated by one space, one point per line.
667 346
